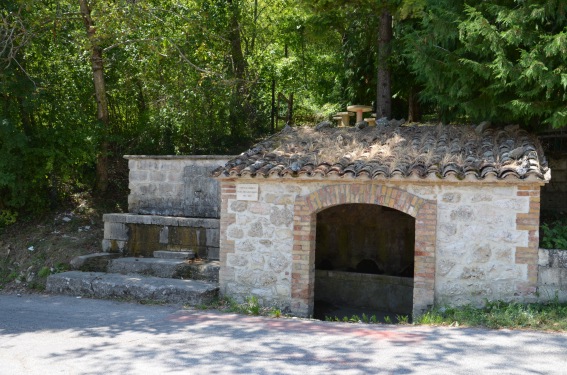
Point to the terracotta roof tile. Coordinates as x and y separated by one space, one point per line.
417 151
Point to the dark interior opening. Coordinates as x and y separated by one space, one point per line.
364 262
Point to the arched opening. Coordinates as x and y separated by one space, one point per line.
364 262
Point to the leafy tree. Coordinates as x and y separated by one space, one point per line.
501 61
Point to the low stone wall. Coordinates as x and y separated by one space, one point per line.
552 275
377 292
174 185
141 235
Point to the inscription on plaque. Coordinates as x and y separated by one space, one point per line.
247 192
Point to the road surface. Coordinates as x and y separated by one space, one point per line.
67 335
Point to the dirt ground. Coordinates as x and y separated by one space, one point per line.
37 246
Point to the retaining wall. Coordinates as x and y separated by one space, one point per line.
552 275
174 185
173 204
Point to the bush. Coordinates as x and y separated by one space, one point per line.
554 235
7 217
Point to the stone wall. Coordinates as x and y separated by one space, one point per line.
487 242
174 185
141 235
474 241
376 292
552 277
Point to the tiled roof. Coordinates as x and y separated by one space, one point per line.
394 152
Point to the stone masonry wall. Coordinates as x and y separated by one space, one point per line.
141 235
258 241
552 276
486 246
174 185
473 241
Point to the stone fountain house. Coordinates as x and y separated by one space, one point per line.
395 218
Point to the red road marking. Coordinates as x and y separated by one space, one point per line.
301 326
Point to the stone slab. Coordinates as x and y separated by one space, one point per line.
204 270
166 268
161 220
115 231
164 254
97 262
140 288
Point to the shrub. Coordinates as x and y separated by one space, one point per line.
554 235
7 217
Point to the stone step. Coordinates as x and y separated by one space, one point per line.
164 254
97 262
166 268
139 288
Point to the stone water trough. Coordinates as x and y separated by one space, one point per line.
167 247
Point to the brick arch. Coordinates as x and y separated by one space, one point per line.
305 217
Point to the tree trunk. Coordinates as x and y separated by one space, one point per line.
239 64
414 111
384 89
254 28
240 109
100 95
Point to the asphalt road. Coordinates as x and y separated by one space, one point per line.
66 335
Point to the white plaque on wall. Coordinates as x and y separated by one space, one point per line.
247 192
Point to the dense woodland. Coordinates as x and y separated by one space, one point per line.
83 82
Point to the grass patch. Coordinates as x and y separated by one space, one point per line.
251 306
550 316
499 314
400 319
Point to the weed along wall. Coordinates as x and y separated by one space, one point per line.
173 205
465 237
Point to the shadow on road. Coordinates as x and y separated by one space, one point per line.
118 336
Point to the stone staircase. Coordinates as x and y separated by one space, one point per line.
169 276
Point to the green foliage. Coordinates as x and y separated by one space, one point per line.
44 272
7 217
433 317
195 76
252 306
8 272
276 313
501 61
401 319
554 235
